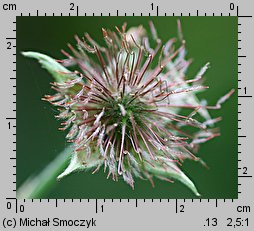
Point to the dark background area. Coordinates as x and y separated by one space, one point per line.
208 39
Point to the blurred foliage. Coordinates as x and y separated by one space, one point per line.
208 39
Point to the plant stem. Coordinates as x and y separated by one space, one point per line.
37 186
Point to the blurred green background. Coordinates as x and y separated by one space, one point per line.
208 39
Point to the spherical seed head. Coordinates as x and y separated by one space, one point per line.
122 111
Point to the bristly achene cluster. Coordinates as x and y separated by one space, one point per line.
122 111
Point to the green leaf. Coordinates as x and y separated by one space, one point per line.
51 65
37 186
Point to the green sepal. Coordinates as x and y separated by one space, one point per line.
79 162
168 171
51 65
